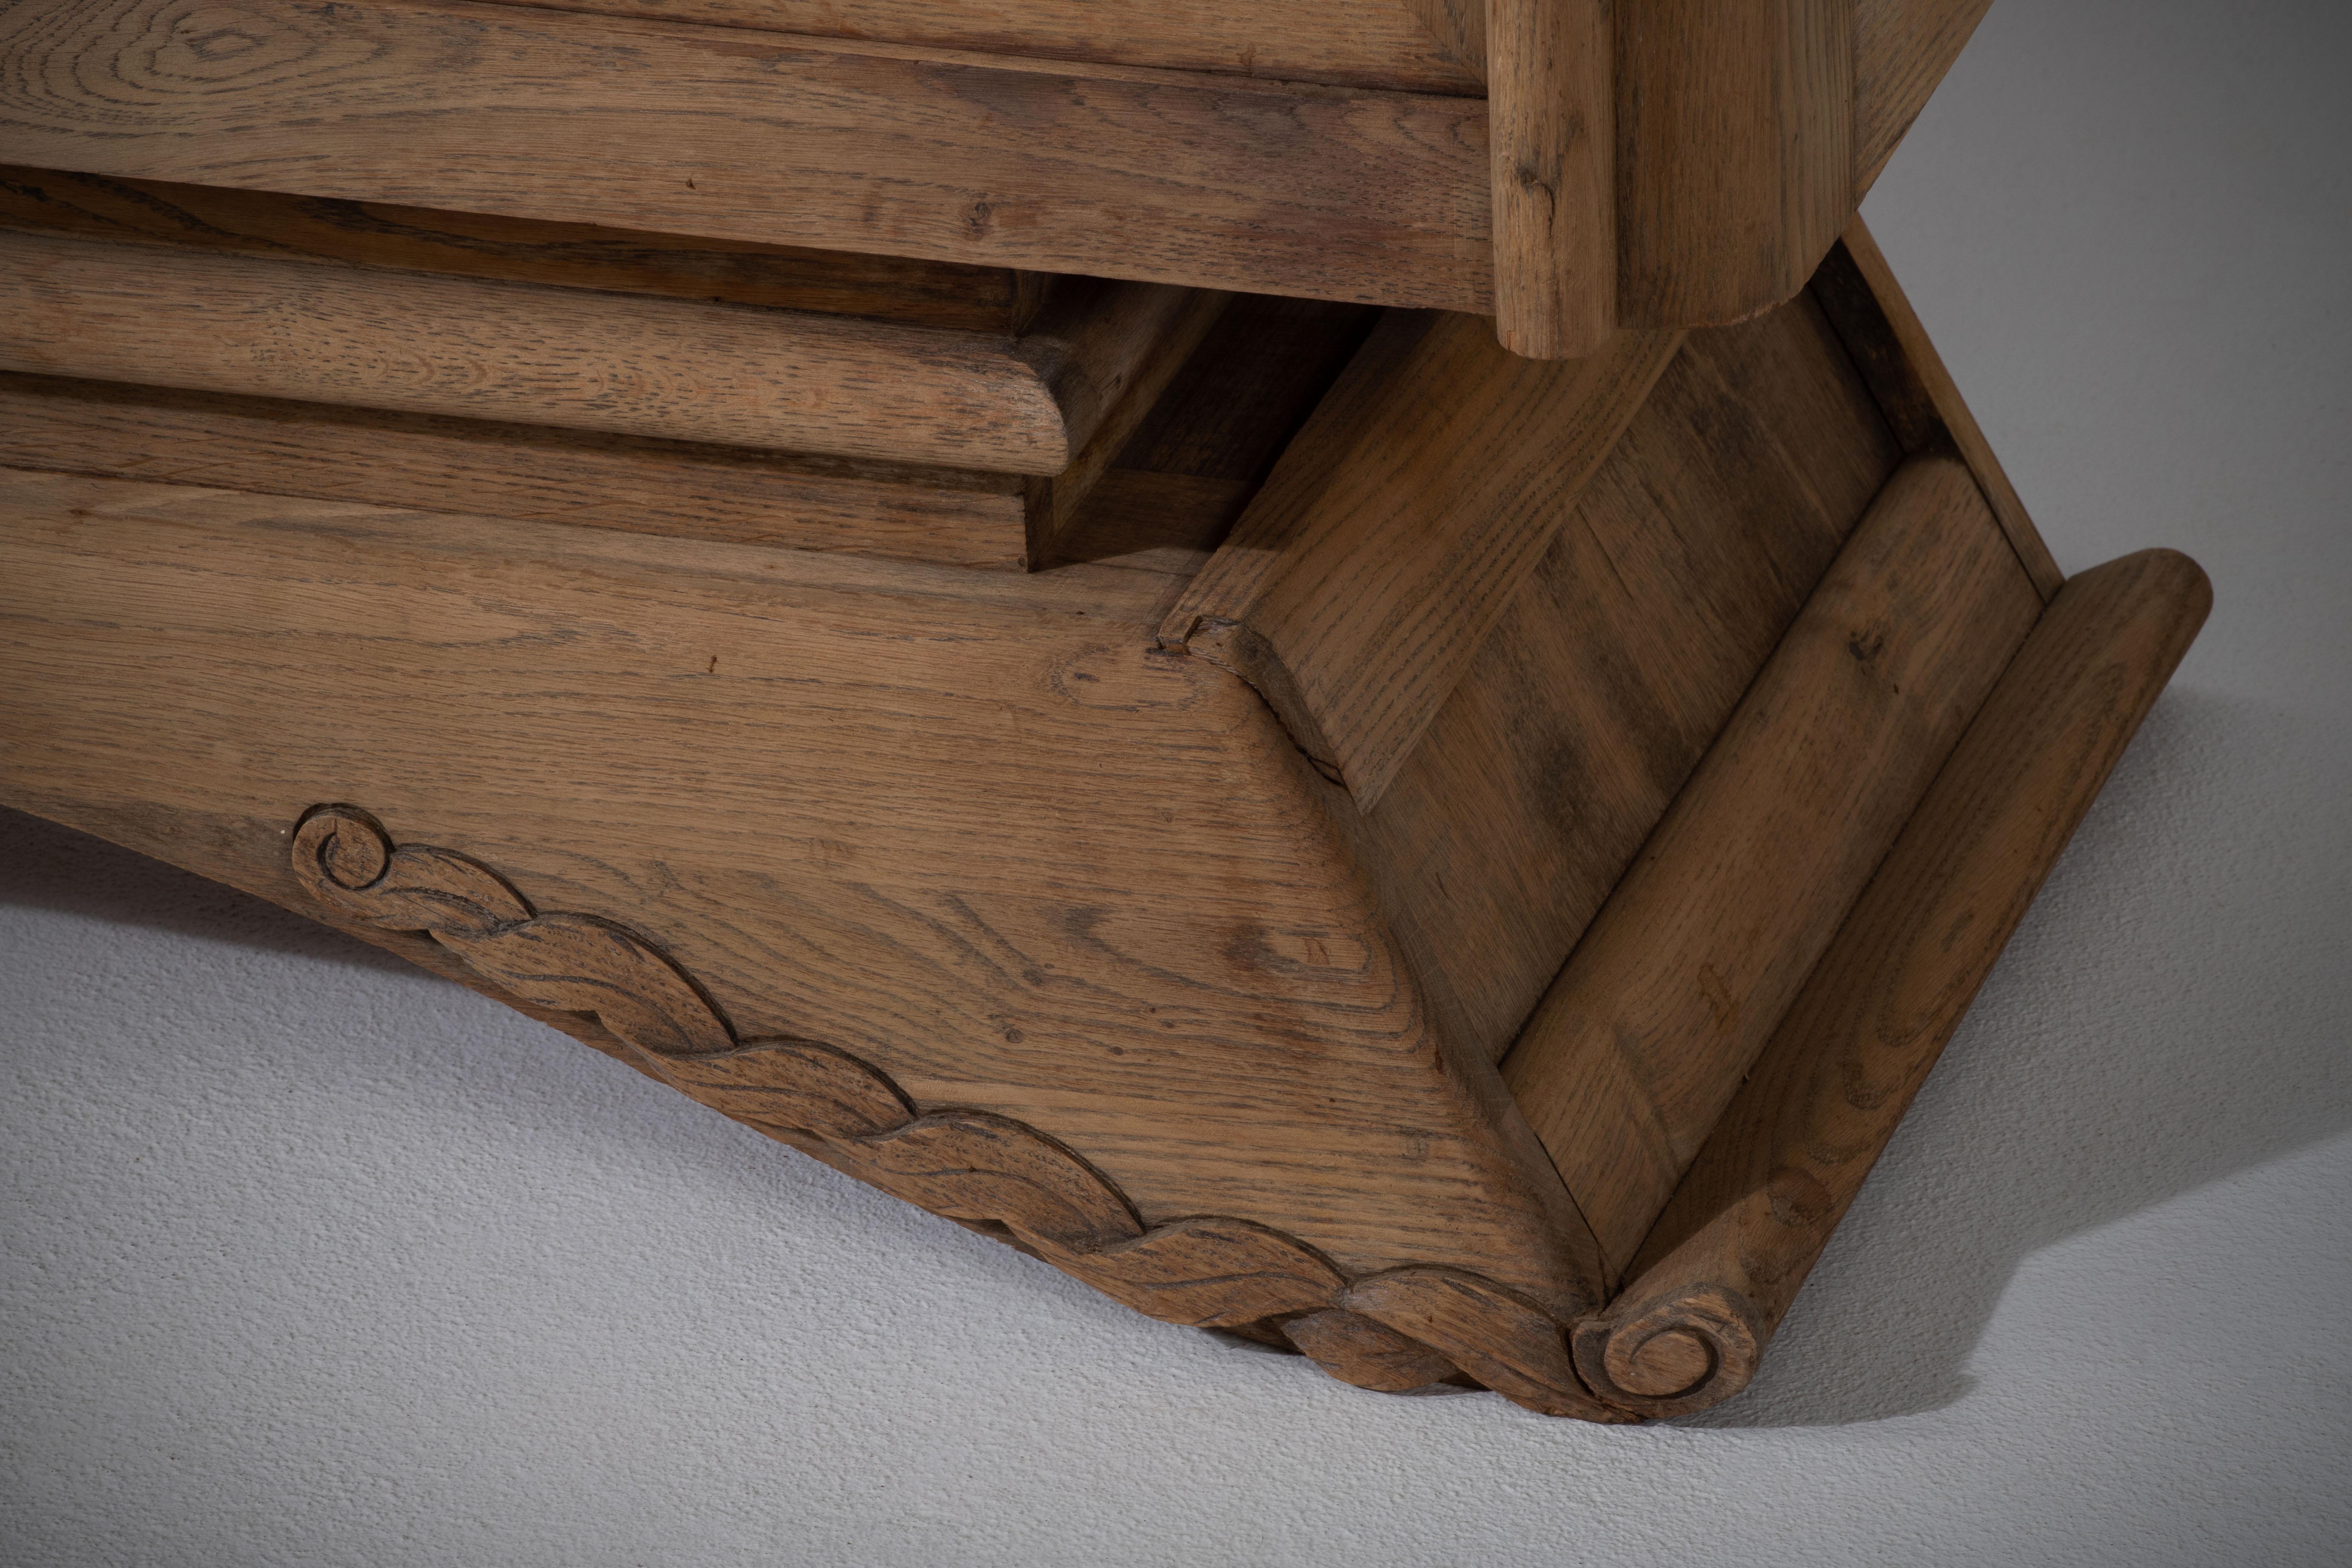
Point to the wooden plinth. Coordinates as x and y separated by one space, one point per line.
1449 860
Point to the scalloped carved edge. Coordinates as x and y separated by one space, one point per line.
1395 1331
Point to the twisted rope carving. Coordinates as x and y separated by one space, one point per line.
1395 1331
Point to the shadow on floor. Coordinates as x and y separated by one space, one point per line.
2177 1008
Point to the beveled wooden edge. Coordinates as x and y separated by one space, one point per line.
1859 293
534 354
1718 1271
1392 535
987 1171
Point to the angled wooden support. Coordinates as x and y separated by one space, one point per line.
1902 49
1863 299
1657 1017
1715 1277
1365 578
588 614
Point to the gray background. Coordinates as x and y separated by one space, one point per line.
310 1258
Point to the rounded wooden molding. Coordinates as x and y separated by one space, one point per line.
1672 1354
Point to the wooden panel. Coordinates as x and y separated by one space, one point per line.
965 827
1735 152
596 361
520 470
1106 170
1681 563
1551 122
1902 49
478 245
1352 43
1716 1276
1679 982
1363 580
1858 291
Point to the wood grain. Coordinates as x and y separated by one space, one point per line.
1365 577
989 1171
579 478
1717 1274
596 361
1173 491
1735 152
1646 1034
1902 49
1551 129
1460 28
480 245
1107 171
1680 565
1859 292
963 826
1351 43
1113 367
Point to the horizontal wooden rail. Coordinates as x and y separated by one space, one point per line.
484 244
1348 43
1715 1278
539 472
582 360
1644 1036
1164 176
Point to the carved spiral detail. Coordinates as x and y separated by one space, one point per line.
1394 1331
1672 1354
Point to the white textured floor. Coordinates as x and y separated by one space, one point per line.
310 1259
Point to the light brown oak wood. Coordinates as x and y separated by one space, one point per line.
1175 483
480 245
1551 128
585 360
928 816
1677 984
1677 572
1367 575
1109 171
1352 43
1734 161
988 1171
582 478
1860 293
1716 1276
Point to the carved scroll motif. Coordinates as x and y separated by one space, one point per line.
1395 1331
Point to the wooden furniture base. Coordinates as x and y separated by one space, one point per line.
1309 822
